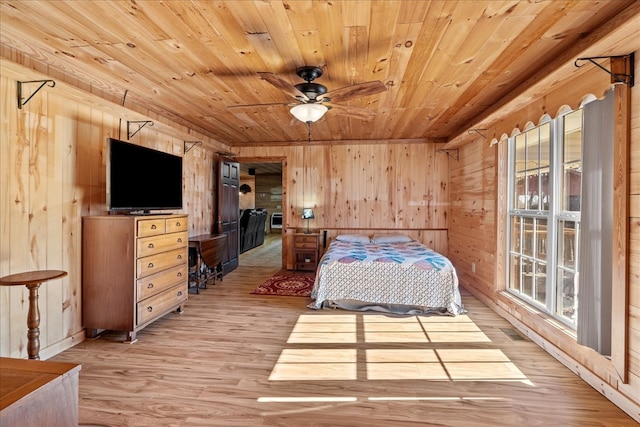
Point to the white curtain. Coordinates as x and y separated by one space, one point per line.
594 293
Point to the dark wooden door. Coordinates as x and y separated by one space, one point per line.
228 210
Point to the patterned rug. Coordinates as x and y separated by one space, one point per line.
294 285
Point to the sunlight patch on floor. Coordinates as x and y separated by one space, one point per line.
434 398
286 399
459 359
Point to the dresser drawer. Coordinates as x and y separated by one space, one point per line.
155 263
159 304
173 225
156 244
151 227
161 281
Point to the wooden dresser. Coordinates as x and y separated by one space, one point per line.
306 251
134 270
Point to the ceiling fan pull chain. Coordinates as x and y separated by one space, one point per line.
309 127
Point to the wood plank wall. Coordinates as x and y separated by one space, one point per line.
268 194
476 237
368 188
52 173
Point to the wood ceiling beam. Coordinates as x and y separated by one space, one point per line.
344 142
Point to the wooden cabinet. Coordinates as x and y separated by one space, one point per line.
134 270
306 251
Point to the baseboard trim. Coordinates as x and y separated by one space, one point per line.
63 345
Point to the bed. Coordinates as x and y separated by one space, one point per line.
394 275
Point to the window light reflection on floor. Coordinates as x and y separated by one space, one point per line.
419 358
306 399
315 364
321 399
324 329
380 329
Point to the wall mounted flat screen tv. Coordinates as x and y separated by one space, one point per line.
142 179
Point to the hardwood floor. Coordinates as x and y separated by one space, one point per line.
237 359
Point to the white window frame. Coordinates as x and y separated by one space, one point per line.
553 216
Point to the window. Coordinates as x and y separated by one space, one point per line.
545 178
568 215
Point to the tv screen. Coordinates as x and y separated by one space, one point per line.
142 179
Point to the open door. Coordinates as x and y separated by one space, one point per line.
228 209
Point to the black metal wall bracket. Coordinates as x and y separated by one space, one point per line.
618 77
188 145
22 102
141 124
470 131
455 156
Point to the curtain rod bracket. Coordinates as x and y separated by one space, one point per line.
455 156
193 144
22 102
616 77
141 124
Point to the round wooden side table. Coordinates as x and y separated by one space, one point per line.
32 280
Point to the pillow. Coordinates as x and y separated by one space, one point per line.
390 238
353 238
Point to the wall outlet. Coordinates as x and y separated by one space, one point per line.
473 267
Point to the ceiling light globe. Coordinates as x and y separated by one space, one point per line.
308 113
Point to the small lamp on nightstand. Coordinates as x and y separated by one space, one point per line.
307 213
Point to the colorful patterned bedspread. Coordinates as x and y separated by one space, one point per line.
385 276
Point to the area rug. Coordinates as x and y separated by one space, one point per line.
295 285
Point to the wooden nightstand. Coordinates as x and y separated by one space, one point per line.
306 251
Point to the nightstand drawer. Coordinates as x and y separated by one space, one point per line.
303 238
305 245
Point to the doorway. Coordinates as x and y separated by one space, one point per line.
261 196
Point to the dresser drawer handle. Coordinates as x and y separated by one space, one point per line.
179 274
178 224
150 265
150 246
150 286
179 293
179 239
179 257
149 309
153 226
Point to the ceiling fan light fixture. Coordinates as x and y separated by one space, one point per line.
308 113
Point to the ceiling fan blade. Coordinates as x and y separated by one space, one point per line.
356 91
353 112
283 85
252 106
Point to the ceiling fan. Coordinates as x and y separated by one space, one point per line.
313 98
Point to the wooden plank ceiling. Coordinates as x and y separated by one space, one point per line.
443 62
